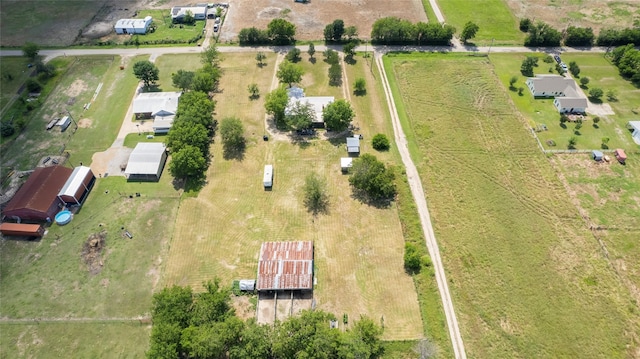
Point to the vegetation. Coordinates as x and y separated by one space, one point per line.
584 81
281 32
469 31
182 79
574 68
526 69
254 91
541 34
316 197
412 258
595 93
334 31
360 86
163 31
253 36
146 72
233 141
525 24
311 50
396 31
493 16
579 36
293 55
276 103
380 142
372 180
289 73
338 115
627 59
260 56
30 50
618 37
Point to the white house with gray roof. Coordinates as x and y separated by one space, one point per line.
161 106
564 90
317 103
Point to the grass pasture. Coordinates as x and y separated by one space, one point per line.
492 16
358 248
541 111
528 278
166 30
13 73
170 64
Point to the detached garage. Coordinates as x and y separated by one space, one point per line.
146 162
37 200
78 186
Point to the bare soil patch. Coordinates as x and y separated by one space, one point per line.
85 123
76 88
92 252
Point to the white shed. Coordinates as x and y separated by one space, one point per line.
267 180
634 127
346 163
133 26
146 162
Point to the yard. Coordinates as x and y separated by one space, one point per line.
166 30
542 111
14 72
528 278
170 64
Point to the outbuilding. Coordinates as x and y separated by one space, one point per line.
146 162
37 200
178 13
267 179
247 285
597 155
22 229
64 123
621 156
353 146
78 186
634 127
346 163
285 266
133 26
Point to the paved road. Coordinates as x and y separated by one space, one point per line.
436 10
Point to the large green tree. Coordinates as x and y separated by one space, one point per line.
233 141
316 198
188 162
210 55
182 79
146 72
371 178
289 73
469 31
300 115
196 107
183 134
334 31
338 115
30 50
281 32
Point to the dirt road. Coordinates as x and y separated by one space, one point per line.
425 219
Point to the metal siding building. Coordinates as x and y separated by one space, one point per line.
77 186
146 162
285 266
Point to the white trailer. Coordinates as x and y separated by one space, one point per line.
267 180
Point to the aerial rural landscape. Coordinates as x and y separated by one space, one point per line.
320 179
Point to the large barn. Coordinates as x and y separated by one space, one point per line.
146 162
78 186
37 200
285 266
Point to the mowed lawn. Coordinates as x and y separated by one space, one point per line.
492 16
528 278
358 248
538 111
170 64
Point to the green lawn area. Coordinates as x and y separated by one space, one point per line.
541 111
528 278
132 139
431 16
170 64
13 73
492 16
166 30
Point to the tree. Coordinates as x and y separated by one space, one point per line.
331 57
525 24
172 305
45 71
182 79
146 72
316 198
281 32
210 56
334 31
253 36
380 142
33 85
362 340
275 104
351 32
541 34
30 50
527 66
469 31
233 141
196 107
254 91
512 81
289 73
360 86
574 68
412 258
612 95
203 82
293 55
338 115
572 143
349 49
184 134
255 342
260 56
188 18
300 116
311 51
372 178
584 81
579 36
307 335
188 162
596 93
335 74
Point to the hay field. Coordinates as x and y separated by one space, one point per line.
358 248
528 278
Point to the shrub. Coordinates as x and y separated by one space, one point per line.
525 24
380 142
412 258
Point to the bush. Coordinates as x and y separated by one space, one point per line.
6 129
412 258
596 93
380 142
33 85
525 24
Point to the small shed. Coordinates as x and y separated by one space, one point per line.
63 123
21 229
346 163
247 285
597 155
353 146
267 179
634 127
620 155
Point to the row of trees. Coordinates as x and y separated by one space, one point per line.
541 34
396 31
335 31
204 325
627 59
278 32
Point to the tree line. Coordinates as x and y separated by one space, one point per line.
627 59
204 325
542 34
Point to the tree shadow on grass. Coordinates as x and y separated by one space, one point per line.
360 93
362 196
191 185
235 152
313 60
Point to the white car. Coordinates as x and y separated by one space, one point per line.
564 67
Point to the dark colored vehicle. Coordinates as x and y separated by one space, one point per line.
557 58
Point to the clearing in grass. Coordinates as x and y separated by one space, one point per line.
516 249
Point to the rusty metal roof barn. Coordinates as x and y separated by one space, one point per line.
285 266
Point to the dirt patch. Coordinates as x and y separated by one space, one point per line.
85 123
92 252
243 306
76 88
588 166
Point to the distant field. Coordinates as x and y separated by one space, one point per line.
358 248
541 111
528 278
492 16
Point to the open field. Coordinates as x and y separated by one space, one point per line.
597 14
492 16
528 278
170 64
78 340
13 73
311 18
541 111
358 248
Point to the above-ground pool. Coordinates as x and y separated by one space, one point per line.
63 218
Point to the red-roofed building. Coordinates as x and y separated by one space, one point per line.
285 266
37 200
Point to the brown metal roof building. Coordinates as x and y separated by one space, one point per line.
37 199
285 266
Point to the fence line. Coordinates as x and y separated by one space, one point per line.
546 152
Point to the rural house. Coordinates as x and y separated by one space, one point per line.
146 162
199 12
634 127
564 90
317 103
133 26
161 106
285 266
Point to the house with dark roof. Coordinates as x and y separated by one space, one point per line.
567 99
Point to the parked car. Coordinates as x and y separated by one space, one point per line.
564 67
557 58
216 27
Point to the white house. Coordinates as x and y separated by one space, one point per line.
133 26
146 162
634 126
567 97
199 12
317 103
161 106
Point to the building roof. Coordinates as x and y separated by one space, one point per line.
179 11
163 122
317 103
295 91
555 83
635 125
353 144
346 162
572 102
40 190
285 266
156 102
146 159
133 23
75 181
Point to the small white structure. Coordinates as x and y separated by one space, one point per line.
353 146
247 285
346 163
199 12
63 123
162 124
634 126
133 26
267 179
317 103
146 162
565 91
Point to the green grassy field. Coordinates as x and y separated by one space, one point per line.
528 278
492 16
13 73
166 30
541 111
169 64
